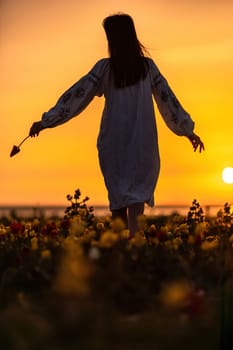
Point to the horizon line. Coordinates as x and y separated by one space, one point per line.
8 206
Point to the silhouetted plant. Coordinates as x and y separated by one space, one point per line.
79 207
195 215
227 214
225 220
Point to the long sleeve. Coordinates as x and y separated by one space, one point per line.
176 118
76 98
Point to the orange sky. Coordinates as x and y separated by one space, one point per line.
45 46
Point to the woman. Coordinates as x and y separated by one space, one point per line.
127 142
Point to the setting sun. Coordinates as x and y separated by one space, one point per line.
227 175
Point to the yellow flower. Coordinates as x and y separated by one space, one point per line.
174 294
176 242
28 226
45 239
74 272
34 243
35 222
164 229
191 239
87 237
2 231
108 239
118 225
100 226
153 240
138 240
201 228
31 233
182 228
208 245
124 234
72 246
45 254
152 229
77 226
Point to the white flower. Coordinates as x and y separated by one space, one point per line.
94 253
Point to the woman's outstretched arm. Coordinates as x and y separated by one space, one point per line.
174 115
73 101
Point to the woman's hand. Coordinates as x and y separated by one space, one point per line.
196 142
35 129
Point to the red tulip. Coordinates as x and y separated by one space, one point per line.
15 150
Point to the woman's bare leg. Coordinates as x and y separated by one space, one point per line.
122 214
134 211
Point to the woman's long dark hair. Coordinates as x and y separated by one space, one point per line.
127 57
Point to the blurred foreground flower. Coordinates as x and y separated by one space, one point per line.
174 295
46 254
108 239
117 225
74 271
138 240
183 297
34 243
210 244
94 253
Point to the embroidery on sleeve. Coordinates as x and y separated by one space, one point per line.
93 78
164 96
157 80
64 112
174 118
175 102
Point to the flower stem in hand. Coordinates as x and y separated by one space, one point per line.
16 149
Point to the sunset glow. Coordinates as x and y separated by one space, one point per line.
46 46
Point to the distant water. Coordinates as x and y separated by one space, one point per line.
58 211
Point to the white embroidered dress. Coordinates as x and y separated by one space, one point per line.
127 142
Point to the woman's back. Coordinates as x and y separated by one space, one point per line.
128 113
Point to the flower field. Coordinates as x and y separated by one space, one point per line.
80 282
